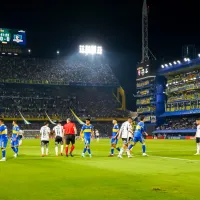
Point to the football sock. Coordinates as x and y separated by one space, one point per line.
121 151
47 151
112 151
16 150
118 149
66 150
72 148
128 152
130 147
56 149
84 150
197 148
13 148
61 148
3 153
89 151
143 148
42 150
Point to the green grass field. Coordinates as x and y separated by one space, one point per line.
170 172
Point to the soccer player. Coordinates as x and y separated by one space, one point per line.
126 133
58 130
88 131
45 131
3 139
20 136
14 138
138 136
114 140
97 135
197 136
70 131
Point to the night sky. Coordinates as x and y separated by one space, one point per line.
53 25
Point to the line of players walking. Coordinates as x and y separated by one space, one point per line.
68 132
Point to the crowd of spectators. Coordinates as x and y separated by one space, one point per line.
144 83
34 100
178 124
144 100
78 70
146 109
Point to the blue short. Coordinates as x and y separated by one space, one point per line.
3 142
114 141
14 142
87 141
138 139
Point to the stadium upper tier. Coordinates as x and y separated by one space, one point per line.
76 70
34 100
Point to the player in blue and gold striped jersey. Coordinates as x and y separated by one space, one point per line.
14 139
3 139
114 140
88 131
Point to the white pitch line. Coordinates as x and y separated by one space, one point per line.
171 158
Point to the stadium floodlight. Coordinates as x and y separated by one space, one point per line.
178 61
166 85
174 82
199 55
90 49
170 64
188 60
166 65
29 50
162 66
175 62
185 59
58 52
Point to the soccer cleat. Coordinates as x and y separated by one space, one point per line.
66 155
90 155
111 155
71 154
130 156
119 156
83 155
61 154
144 154
3 160
196 154
15 155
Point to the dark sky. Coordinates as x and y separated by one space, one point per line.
53 25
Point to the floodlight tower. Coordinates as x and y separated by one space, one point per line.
145 48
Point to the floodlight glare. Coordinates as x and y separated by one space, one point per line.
178 61
175 62
162 66
188 59
199 55
90 49
58 52
170 64
166 65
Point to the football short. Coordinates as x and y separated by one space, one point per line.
126 140
87 141
114 141
44 143
70 138
97 136
3 142
14 142
58 140
138 139
19 137
197 139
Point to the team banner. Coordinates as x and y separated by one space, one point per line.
50 119
25 121
77 118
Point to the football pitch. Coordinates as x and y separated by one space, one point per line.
170 172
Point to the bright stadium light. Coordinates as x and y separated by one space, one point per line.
178 61
162 66
185 59
29 50
170 64
199 55
166 65
175 62
188 60
90 49
58 52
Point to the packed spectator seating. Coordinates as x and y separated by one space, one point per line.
144 101
144 83
180 123
73 70
35 100
146 109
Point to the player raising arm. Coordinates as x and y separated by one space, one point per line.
114 140
3 139
45 131
138 136
15 139
126 133
59 138
197 136
88 131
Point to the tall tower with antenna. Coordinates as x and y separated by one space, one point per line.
145 48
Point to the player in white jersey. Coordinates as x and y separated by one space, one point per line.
197 136
20 136
97 135
45 131
126 133
59 134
